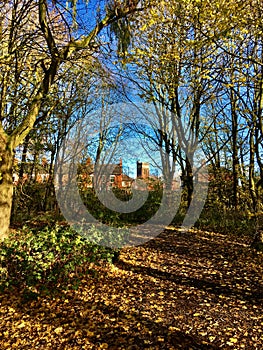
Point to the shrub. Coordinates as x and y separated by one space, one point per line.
48 259
107 216
32 198
113 237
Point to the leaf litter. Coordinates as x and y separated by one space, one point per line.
194 290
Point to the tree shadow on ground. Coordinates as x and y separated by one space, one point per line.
193 245
254 296
170 302
110 327
226 257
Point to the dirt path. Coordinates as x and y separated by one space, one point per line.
180 291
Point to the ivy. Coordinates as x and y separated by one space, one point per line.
50 258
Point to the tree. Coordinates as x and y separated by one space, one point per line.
191 60
37 38
173 62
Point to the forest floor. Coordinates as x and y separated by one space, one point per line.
195 290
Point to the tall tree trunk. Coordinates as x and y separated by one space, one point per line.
189 182
6 186
24 155
235 161
252 185
49 184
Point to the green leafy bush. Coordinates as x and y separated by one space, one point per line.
109 236
110 217
32 198
48 259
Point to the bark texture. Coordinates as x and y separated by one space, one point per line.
6 188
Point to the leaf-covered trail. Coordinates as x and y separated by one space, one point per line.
193 290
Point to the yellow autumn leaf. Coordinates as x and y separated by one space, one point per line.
21 325
233 340
90 334
58 330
